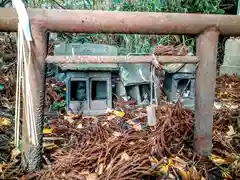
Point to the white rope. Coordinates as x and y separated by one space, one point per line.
23 78
31 119
18 86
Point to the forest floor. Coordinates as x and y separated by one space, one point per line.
119 145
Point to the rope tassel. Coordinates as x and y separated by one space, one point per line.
23 80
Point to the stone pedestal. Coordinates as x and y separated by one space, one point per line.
231 64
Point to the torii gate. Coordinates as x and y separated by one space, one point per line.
207 27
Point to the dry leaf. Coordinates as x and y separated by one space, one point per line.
171 177
84 173
132 143
170 163
117 134
99 169
218 160
119 113
111 117
130 122
193 173
164 169
179 163
137 127
80 126
49 145
47 131
69 119
15 152
226 174
92 176
24 178
109 166
111 139
231 131
2 166
124 157
5 121
184 174
105 124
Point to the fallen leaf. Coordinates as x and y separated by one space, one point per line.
184 174
226 174
117 134
179 160
80 126
92 176
3 166
164 169
5 121
231 158
231 131
69 119
124 157
105 124
132 143
112 139
99 169
137 127
15 152
119 113
47 131
84 173
24 178
110 165
193 173
111 117
218 160
130 122
170 162
152 161
171 177
49 145
179 163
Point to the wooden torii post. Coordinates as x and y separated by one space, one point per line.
207 27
